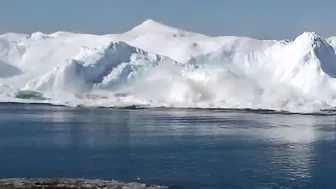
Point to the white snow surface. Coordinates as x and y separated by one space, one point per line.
155 65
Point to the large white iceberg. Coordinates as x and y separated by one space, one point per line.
156 65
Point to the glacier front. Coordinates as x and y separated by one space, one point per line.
154 65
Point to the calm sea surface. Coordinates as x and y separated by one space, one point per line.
192 149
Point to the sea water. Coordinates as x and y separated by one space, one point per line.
181 148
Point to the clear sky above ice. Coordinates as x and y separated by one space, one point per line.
254 18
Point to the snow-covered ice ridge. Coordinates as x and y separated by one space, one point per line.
155 65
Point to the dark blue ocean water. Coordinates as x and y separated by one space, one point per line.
194 149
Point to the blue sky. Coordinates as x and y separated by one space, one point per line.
254 18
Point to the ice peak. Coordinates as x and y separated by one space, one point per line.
154 26
311 39
152 22
311 36
115 44
13 36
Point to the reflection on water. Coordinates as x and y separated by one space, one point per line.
181 148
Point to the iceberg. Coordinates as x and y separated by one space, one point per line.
155 65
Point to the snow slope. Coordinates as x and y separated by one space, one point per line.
157 65
107 65
7 70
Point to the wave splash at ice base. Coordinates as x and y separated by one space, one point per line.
296 76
